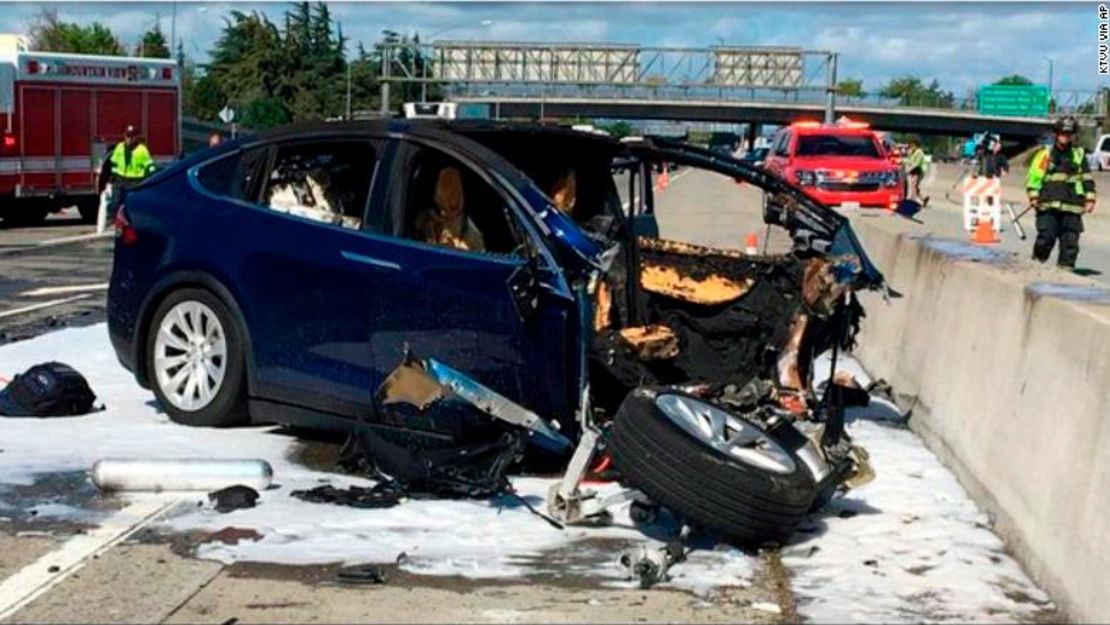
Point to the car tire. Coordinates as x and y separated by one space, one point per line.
192 355
749 505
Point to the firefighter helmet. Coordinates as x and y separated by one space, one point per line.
1066 125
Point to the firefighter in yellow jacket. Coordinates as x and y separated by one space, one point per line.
1061 190
130 161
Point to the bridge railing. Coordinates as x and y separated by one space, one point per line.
618 71
448 62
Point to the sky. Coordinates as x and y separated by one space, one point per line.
963 45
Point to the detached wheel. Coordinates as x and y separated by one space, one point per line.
715 469
194 359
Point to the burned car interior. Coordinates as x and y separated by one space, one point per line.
325 182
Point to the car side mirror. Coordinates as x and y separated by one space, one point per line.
524 288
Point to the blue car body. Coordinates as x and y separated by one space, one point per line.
327 312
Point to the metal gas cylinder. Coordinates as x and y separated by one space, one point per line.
180 474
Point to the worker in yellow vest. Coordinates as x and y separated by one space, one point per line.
1061 189
125 165
130 160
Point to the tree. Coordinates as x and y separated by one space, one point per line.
300 66
205 99
618 129
365 87
201 96
910 91
50 34
153 44
1013 79
851 88
318 69
248 62
264 113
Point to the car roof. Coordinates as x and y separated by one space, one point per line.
436 129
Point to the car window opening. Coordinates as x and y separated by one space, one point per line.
326 182
449 205
579 182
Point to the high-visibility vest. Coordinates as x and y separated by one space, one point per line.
1066 189
138 166
916 160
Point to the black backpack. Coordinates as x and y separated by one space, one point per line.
51 389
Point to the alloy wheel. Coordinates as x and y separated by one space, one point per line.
190 355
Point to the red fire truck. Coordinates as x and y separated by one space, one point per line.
61 113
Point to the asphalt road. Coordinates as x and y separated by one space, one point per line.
51 275
943 217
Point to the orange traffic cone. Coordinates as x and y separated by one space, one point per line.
984 233
666 177
751 244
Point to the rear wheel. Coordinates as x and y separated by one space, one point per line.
194 359
713 468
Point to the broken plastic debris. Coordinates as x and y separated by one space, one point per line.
362 574
409 383
422 384
382 495
764 606
233 498
498 406
649 565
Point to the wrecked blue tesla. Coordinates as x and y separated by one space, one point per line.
414 279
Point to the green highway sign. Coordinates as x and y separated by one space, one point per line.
1014 100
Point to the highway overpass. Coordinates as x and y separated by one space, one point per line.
922 121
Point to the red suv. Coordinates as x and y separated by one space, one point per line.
843 164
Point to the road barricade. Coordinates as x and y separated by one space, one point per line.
982 200
1033 449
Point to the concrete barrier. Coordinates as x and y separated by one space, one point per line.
1009 366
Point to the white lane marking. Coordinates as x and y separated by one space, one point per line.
57 290
78 237
33 307
681 174
36 578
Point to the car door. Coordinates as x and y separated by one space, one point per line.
458 305
299 278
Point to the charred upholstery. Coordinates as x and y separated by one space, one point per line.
736 318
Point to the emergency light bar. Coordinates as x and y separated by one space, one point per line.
843 122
